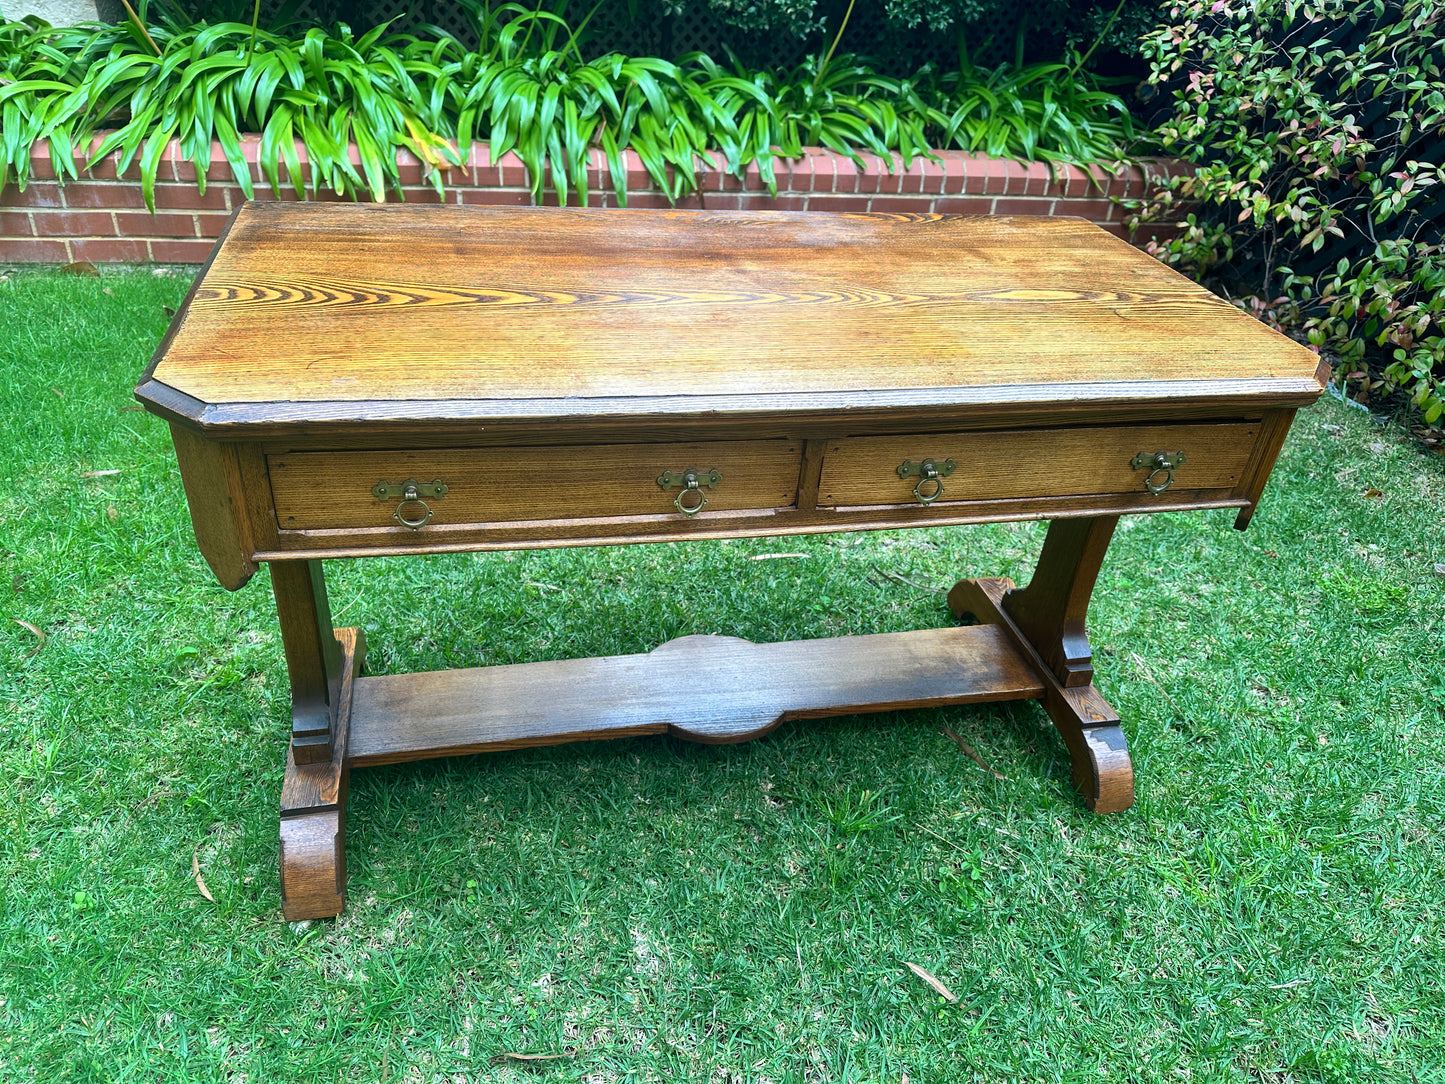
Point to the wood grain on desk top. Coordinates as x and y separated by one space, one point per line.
316 303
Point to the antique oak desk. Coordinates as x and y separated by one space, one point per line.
345 381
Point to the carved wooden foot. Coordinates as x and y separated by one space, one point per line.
1103 772
313 807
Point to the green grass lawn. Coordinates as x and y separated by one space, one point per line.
1270 910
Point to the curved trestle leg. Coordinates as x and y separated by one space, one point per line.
1046 622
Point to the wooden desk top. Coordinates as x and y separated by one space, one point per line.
317 313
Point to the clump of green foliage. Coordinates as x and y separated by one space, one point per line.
1319 133
526 88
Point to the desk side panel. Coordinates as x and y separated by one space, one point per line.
1273 428
211 474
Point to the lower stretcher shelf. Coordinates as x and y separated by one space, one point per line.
715 689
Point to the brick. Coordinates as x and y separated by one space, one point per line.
211 225
483 172
144 224
798 174
408 167
832 202
753 178
1068 181
724 201
496 197
427 196
997 174
33 250
111 250
647 199
918 204
103 194
599 176
185 197
637 175
955 172
1099 180
987 176
1122 181
41 194
910 180
717 177
185 170
1084 208
74 224
1022 205
1034 182
879 174
15 224
963 205
321 195
932 176
1116 228
824 167
193 251
102 169
41 166
770 203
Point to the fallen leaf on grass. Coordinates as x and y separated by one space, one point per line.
1147 675
1440 570
528 1059
81 267
896 578
948 994
973 754
111 514
27 625
170 312
774 556
200 881
99 473
1373 494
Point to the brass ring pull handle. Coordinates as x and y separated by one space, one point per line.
927 472
1159 463
411 492
691 481
416 523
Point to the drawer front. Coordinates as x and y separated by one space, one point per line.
333 490
1005 464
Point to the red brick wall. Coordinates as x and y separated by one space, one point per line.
101 217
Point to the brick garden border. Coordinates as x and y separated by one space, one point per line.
102 218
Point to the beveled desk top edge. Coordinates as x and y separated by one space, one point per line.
241 420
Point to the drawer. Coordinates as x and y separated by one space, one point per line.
1005 464
333 490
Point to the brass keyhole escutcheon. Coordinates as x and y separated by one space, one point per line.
413 512
930 476
1161 467
691 481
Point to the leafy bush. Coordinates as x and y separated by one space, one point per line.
1319 132
526 88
